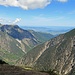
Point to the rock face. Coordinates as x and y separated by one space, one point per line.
58 54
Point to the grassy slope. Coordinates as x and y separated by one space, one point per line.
8 49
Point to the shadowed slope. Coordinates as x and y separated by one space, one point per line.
6 69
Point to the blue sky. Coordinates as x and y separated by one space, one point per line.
38 13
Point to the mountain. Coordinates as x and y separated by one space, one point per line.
15 42
57 54
28 38
22 36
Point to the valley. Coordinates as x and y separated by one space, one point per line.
37 51
16 42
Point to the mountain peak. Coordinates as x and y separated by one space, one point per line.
16 32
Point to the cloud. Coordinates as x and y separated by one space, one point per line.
1 20
17 20
26 4
8 21
62 0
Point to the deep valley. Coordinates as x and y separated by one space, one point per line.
36 51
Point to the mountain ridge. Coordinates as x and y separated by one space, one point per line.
59 54
15 42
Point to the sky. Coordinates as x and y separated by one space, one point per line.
38 12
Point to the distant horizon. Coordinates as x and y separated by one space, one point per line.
38 25
43 26
55 30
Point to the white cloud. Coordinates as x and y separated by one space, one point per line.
26 4
62 0
5 21
1 20
8 21
17 20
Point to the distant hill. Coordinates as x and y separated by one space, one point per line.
57 54
15 42
55 30
41 36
